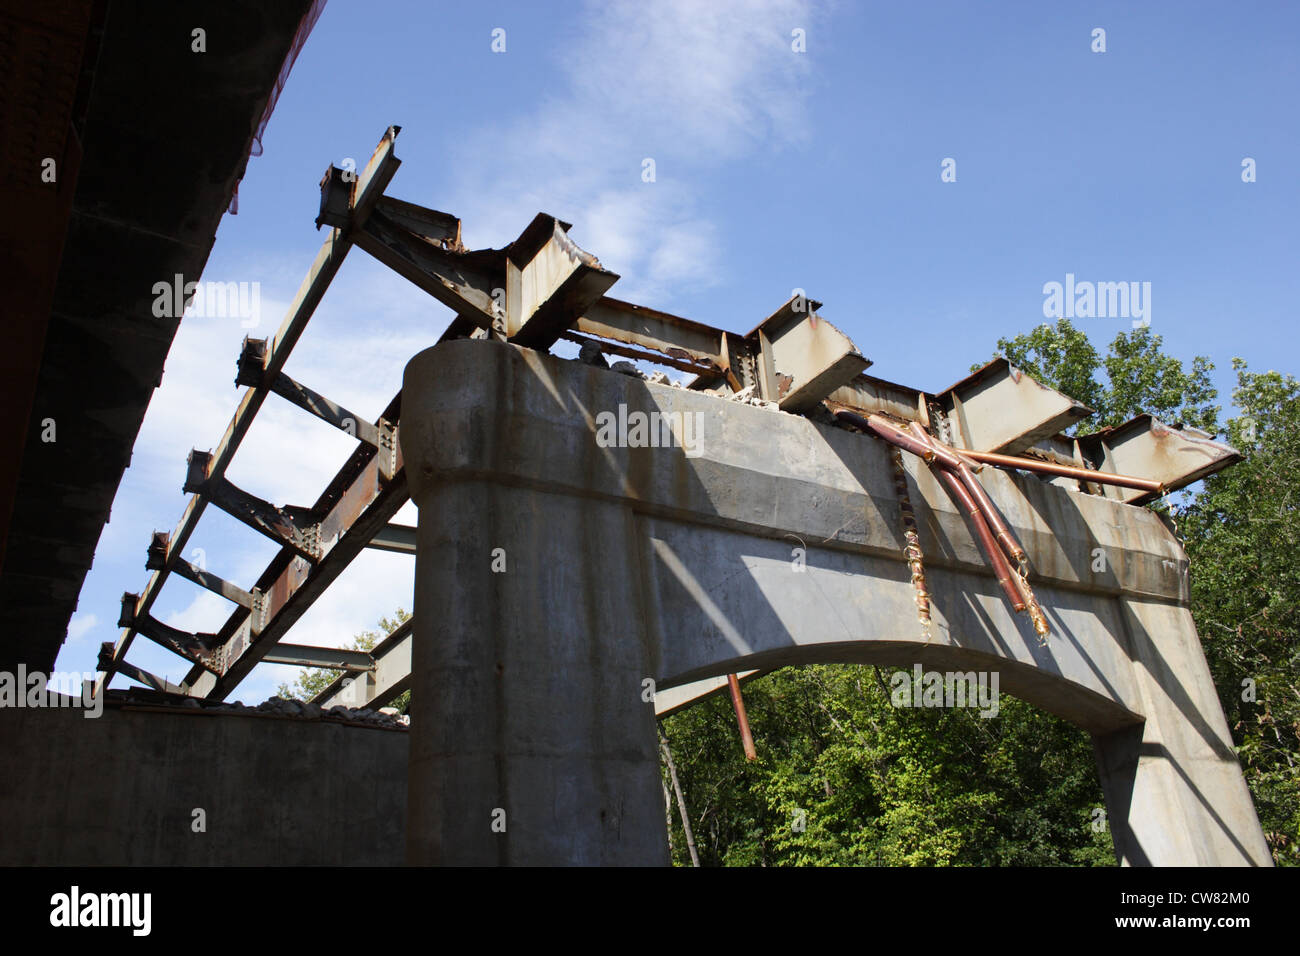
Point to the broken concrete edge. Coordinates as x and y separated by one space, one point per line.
276 708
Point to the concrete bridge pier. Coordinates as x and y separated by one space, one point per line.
532 743
556 572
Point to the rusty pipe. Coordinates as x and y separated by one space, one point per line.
991 514
742 718
883 428
1066 471
999 527
891 432
925 436
1001 569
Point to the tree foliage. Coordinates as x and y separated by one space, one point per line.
845 778
1243 540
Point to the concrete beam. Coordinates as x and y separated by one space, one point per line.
678 568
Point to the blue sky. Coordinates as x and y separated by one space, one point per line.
773 170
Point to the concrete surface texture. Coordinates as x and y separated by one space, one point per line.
122 789
556 572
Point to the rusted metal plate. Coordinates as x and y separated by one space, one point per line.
1000 409
809 358
1174 455
867 394
550 283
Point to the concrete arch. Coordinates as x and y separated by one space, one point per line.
629 562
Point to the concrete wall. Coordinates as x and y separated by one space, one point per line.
120 789
627 563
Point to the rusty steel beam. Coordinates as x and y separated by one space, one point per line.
670 335
866 395
127 669
390 676
309 655
358 504
999 408
252 372
802 357
1173 456
203 578
370 186
398 538
462 281
438 227
613 348
201 650
290 526
550 282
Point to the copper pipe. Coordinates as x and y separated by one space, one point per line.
1066 471
999 527
997 559
742 718
921 433
991 514
993 458
883 428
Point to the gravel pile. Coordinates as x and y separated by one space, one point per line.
305 710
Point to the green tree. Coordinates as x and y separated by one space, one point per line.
1241 531
312 680
846 778
1243 540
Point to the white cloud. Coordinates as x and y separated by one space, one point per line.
80 626
693 86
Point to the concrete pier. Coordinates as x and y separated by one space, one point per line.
555 576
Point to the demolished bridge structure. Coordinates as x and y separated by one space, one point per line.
559 573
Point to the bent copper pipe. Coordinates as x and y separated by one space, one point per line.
991 514
949 467
997 559
1002 461
886 429
925 436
